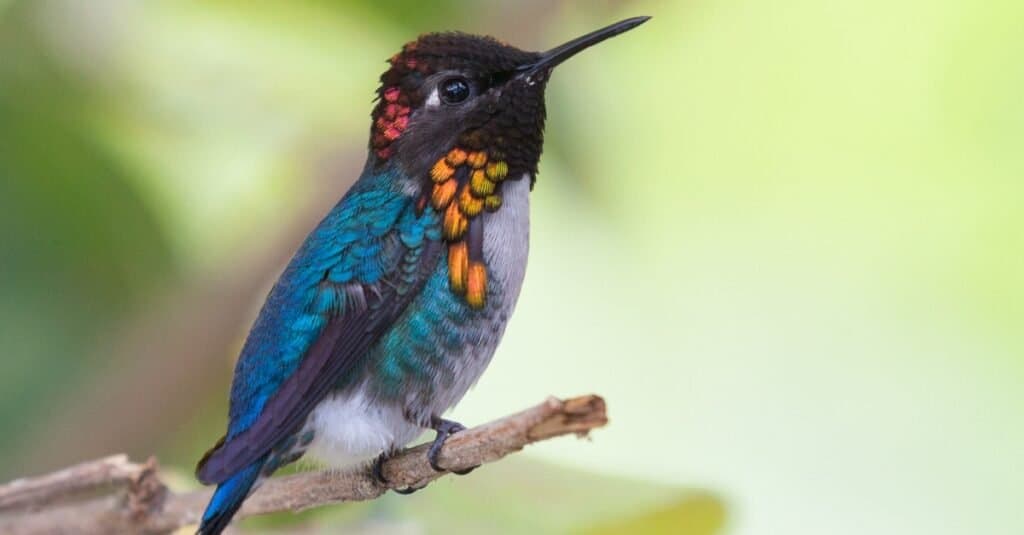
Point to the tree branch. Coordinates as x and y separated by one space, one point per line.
113 495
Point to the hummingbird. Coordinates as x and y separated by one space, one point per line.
394 304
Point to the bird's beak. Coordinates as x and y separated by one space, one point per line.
548 60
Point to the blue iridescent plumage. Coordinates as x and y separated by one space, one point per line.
346 247
374 236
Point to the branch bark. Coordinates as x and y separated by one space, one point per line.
113 495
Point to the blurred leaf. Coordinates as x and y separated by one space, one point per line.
692 515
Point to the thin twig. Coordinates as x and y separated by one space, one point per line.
130 498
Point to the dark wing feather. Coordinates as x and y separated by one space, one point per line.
340 344
372 309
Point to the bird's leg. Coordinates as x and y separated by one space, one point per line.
444 429
377 472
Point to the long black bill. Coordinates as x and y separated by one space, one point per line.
561 53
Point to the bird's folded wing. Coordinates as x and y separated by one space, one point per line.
369 290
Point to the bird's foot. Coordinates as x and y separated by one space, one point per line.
407 490
444 429
377 470
377 473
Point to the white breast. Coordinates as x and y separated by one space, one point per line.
351 429
507 238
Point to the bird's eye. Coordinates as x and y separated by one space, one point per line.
455 90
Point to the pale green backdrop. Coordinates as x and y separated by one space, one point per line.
784 240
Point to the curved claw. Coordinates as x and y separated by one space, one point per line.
435 450
466 471
445 429
377 473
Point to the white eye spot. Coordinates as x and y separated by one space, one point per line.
433 100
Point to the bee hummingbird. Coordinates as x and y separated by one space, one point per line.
393 306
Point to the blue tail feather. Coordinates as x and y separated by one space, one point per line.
228 498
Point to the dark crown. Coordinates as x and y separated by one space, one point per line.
507 119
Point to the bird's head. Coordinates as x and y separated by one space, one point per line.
453 100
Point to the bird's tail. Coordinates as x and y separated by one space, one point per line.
228 498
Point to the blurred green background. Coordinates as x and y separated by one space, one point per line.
784 240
